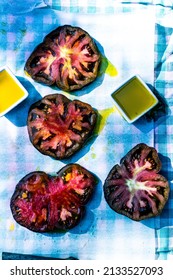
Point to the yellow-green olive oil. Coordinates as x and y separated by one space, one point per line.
10 91
134 98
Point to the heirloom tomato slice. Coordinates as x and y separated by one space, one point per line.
42 202
135 188
59 127
67 57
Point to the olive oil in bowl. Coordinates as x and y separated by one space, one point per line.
134 98
11 91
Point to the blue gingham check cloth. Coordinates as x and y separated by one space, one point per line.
136 38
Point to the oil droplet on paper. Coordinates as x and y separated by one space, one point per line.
26 73
107 67
86 158
102 119
111 70
93 155
11 227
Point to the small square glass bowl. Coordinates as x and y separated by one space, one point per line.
134 98
11 91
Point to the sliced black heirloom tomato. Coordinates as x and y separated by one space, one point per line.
59 127
67 57
135 188
46 203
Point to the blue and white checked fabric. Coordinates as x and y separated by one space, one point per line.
102 234
101 6
163 130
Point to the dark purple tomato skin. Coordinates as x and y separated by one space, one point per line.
135 188
45 203
68 57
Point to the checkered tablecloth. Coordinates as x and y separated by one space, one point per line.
136 38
